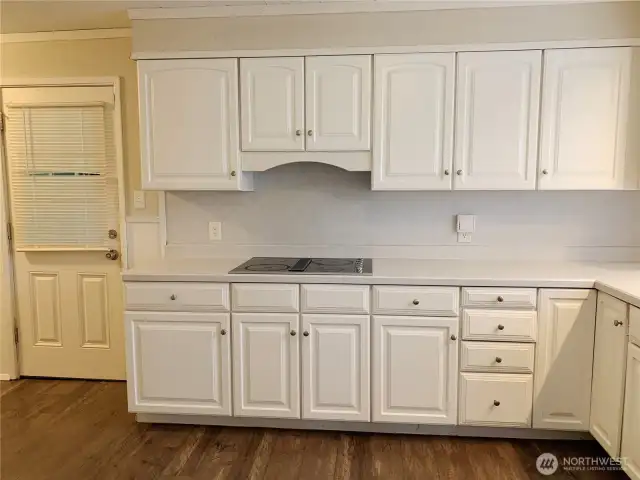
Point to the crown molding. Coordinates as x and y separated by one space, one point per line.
65 35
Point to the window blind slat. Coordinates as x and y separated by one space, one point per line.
64 186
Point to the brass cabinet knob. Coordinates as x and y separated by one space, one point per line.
501 299
498 360
298 133
233 173
223 332
305 333
292 333
416 302
459 172
447 172
496 403
453 337
545 172
173 297
617 323
500 327
310 133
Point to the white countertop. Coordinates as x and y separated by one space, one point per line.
621 280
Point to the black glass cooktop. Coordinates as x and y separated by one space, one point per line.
314 266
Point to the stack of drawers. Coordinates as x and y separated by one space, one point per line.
497 356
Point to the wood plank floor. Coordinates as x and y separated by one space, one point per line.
68 429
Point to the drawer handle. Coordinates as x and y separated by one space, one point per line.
292 333
416 302
305 333
223 332
496 403
500 299
617 323
498 360
500 327
173 297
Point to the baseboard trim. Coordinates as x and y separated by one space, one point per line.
4 377
412 429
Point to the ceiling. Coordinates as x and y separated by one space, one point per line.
22 16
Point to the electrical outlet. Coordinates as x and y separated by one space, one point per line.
464 237
215 231
138 199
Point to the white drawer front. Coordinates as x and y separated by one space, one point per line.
497 357
432 301
500 325
495 399
264 297
499 297
335 299
177 296
634 324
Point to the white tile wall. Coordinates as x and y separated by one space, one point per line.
312 209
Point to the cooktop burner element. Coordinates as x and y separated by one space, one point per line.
314 266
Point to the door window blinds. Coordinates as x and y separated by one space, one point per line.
62 162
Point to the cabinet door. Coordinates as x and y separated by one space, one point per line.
609 365
335 378
415 369
189 124
338 95
566 325
498 100
584 117
272 103
194 378
266 365
630 448
413 121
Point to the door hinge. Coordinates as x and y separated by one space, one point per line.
9 231
16 335
1 122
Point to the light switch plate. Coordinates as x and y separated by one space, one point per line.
466 224
215 231
138 199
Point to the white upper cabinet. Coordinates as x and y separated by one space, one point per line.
413 121
609 365
566 324
497 105
189 124
272 103
585 109
338 102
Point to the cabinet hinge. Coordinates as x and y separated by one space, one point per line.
1 122
9 231
16 335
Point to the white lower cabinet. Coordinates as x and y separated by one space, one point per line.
266 365
495 399
335 362
630 447
609 365
178 363
566 324
415 369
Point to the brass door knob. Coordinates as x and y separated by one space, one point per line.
112 255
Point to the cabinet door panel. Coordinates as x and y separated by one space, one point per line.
584 117
497 120
194 379
336 374
609 365
272 103
566 324
266 365
415 369
413 121
630 447
338 102
189 124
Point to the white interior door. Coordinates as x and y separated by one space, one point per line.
497 105
65 192
585 107
413 121
272 104
336 375
338 107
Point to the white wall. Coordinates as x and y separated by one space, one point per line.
313 209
